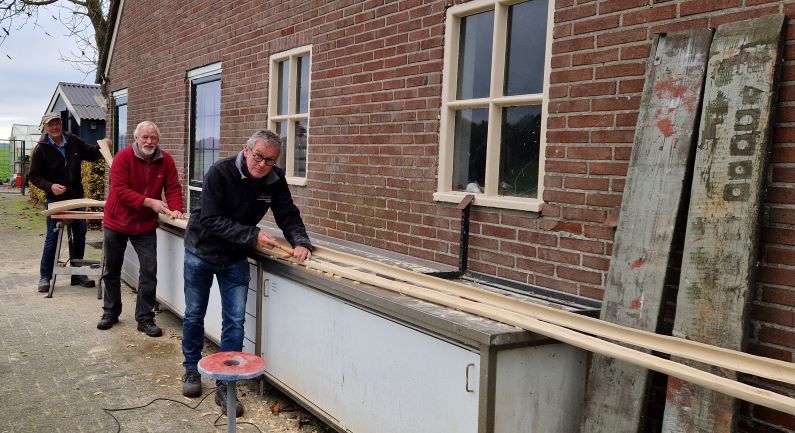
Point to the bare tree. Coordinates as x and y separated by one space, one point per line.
86 22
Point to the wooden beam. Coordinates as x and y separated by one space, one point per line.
104 149
60 206
717 278
711 381
470 299
723 358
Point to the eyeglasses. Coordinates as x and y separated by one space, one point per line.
259 158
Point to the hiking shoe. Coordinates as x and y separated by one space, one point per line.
107 321
220 400
191 383
82 280
44 285
149 328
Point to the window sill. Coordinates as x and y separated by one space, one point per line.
524 204
297 181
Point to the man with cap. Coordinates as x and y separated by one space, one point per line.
55 168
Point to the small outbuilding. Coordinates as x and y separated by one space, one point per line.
82 109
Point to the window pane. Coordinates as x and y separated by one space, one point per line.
474 55
195 199
526 47
521 135
303 84
469 153
121 127
206 129
301 142
281 131
284 71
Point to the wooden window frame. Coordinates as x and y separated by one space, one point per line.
495 102
292 106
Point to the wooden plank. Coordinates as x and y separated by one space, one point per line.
721 384
460 296
64 205
651 206
717 276
104 149
724 358
78 215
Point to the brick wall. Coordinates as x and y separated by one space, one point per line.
599 55
375 95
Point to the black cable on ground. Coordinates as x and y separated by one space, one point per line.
195 408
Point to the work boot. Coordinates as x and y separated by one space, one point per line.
107 321
148 327
82 280
44 285
220 400
191 383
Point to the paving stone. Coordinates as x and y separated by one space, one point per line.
59 371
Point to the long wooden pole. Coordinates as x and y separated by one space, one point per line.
717 356
538 319
578 339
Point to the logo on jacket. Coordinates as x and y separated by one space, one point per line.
264 197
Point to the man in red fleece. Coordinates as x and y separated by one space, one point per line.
141 175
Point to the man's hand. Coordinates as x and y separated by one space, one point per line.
58 189
159 206
302 253
265 240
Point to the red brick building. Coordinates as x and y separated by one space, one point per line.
369 104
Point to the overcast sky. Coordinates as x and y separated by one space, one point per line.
28 80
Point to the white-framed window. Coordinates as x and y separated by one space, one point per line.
288 109
205 126
494 103
120 140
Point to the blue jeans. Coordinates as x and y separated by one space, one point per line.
233 284
77 245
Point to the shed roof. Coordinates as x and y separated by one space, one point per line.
84 101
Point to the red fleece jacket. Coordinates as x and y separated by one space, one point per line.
132 179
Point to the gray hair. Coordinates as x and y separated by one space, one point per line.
144 124
269 138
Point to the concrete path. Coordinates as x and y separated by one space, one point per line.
58 371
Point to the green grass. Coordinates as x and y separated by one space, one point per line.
16 213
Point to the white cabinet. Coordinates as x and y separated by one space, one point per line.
368 360
370 373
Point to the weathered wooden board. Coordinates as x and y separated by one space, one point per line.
719 260
651 206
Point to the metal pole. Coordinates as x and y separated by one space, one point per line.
24 168
231 406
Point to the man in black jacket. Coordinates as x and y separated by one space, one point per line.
236 194
55 168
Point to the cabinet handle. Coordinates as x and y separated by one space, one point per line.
466 373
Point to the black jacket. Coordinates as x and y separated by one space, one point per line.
48 166
230 208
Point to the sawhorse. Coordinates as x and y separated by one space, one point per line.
82 267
